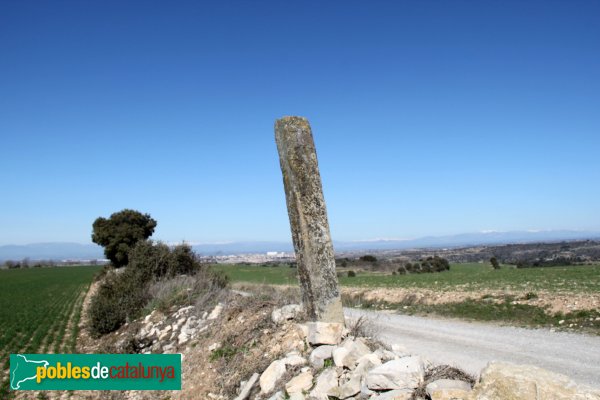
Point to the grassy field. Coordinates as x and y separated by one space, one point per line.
465 277
507 295
39 311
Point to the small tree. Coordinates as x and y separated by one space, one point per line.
494 263
119 233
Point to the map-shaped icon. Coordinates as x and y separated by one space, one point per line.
25 370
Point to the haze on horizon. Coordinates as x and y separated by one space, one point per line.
429 119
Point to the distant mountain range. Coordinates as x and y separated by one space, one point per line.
78 251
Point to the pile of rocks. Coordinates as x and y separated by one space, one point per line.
335 365
159 333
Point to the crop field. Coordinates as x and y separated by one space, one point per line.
40 310
562 298
464 277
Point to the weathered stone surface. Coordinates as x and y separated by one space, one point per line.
278 396
308 220
386 355
404 373
349 352
448 389
339 354
327 381
216 312
324 332
294 360
521 382
300 383
319 355
245 392
365 364
398 394
297 396
272 374
348 389
286 313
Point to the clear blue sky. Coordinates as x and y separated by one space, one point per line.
430 117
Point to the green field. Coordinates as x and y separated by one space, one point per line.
40 310
464 277
491 295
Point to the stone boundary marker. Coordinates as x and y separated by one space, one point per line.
308 220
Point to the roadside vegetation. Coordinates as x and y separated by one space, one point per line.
145 275
506 310
40 309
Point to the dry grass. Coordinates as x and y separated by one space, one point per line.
201 290
441 372
279 296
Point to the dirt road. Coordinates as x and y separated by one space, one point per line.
471 345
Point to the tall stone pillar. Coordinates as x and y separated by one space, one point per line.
308 220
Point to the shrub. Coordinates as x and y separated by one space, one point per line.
531 295
125 293
368 258
351 274
119 298
494 262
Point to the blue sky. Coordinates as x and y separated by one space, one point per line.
430 117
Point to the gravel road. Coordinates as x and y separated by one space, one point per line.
471 345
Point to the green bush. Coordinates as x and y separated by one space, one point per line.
351 274
125 293
119 298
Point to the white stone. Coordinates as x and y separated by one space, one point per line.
214 346
386 355
164 334
216 311
278 396
182 338
348 389
447 389
327 381
294 360
168 348
303 328
365 364
324 332
339 354
271 375
404 373
524 382
300 383
354 349
398 394
286 313
319 355
245 392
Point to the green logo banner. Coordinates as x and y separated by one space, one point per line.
95 371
